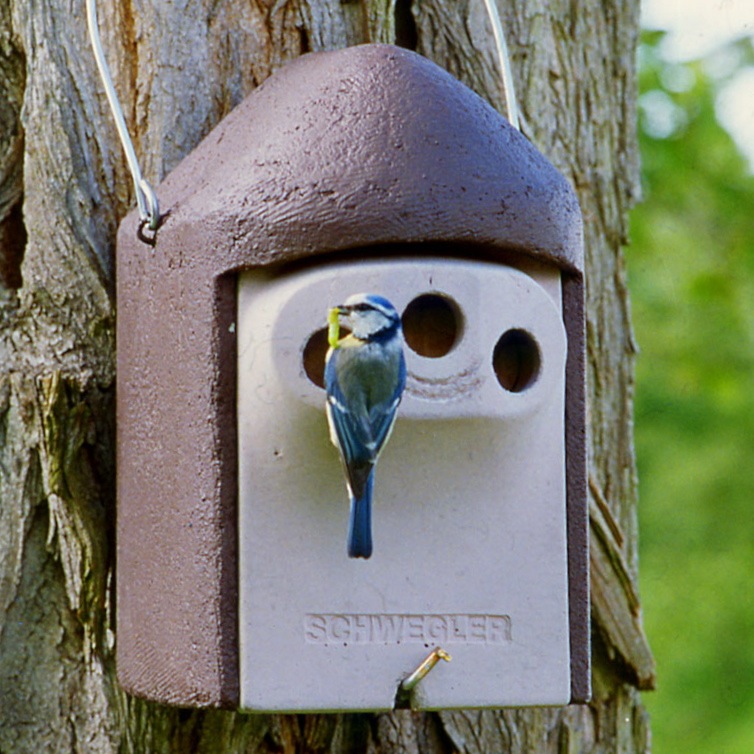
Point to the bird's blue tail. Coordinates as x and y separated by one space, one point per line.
360 522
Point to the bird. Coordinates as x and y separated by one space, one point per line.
365 375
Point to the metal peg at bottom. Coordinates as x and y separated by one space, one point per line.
408 684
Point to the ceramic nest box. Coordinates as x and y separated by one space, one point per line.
368 169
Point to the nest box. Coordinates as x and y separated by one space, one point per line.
365 169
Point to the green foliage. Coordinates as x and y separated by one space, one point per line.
691 267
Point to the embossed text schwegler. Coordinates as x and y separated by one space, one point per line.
399 628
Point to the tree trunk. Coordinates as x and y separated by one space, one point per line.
180 67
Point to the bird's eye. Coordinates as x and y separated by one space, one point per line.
362 307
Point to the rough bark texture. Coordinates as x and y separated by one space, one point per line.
180 67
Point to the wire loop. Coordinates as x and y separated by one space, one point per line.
146 199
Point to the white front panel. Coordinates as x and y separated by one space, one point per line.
469 507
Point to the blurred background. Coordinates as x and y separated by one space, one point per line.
691 275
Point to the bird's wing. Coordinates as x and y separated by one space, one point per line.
351 430
353 439
360 437
381 420
382 416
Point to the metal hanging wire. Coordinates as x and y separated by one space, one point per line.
511 104
146 199
149 210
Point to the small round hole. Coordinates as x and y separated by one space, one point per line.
431 325
516 360
314 354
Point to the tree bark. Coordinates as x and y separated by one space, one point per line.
179 68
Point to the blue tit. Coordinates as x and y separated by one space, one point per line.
365 373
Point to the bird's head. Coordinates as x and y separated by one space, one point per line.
370 316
